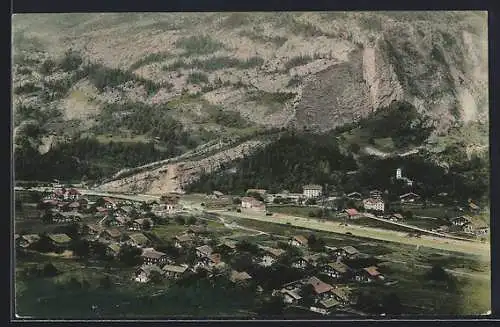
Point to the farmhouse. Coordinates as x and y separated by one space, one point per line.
368 275
461 221
239 277
138 240
299 263
298 240
320 287
252 203
174 272
355 196
113 249
312 191
139 224
151 256
348 252
373 204
25 241
183 240
409 197
376 194
143 274
111 234
203 251
336 270
270 255
91 229
60 240
352 213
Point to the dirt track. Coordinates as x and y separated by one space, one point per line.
479 249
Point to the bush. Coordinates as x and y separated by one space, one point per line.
199 45
297 61
197 78
149 59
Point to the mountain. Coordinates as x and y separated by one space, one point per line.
177 82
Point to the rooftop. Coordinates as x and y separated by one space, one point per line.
319 286
139 238
205 250
313 187
235 275
176 269
301 239
339 266
350 249
372 271
152 253
59 238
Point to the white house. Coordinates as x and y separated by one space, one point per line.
374 204
252 203
312 191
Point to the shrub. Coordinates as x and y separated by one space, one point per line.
297 61
150 58
199 45
197 78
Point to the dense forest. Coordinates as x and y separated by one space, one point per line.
82 158
288 163
299 159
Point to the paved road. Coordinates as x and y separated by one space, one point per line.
476 248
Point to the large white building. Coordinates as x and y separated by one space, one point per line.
373 204
312 191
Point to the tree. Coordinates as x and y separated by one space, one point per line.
47 217
311 201
191 220
307 293
130 256
155 277
354 148
272 307
391 304
105 282
237 201
437 273
246 246
80 248
146 225
49 270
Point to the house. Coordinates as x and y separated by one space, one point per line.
111 234
341 294
91 230
183 240
210 261
461 221
197 229
349 252
376 194
171 202
151 256
66 217
352 213
298 240
51 202
218 194
481 231
138 240
60 240
290 296
473 207
262 192
325 306
75 206
125 210
270 255
203 251
300 263
396 217
120 220
84 203
355 196
252 203
228 246
313 259
72 195
312 191
26 241
409 197
138 224
143 274
174 272
239 277
113 249
110 203
373 204
336 270
368 275
319 286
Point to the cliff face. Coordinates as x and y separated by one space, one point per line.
309 70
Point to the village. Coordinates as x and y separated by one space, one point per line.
195 242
